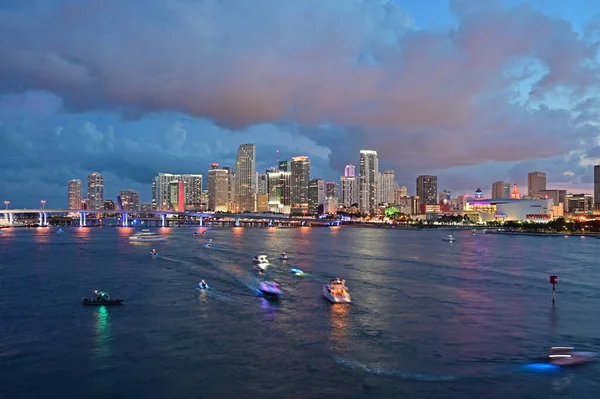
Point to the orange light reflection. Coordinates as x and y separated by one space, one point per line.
338 317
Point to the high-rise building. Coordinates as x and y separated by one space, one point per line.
161 198
245 168
300 177
284 166
350 170
262 184
500 189
280 191
427 190
385 187
218 189
75 194
348 190
193 190
369 169
536 182
331 189
109 205
597 187
316 196
95 191
130 200
580 203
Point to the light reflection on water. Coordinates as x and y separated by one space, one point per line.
338 317
103 339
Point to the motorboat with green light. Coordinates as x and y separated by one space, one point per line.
102 299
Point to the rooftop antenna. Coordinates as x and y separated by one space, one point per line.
277 164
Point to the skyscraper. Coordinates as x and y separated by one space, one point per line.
300 168
369 169
75 194
245 168
349 190
385 187
596 187
500 189
427 190
536 182
218 189
130 200
193 193
316 196
279 191
95 191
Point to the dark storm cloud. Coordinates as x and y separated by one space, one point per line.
504 84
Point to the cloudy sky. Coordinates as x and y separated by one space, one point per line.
473 91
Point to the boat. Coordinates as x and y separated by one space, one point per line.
209 243
153 252
59 231
202 285
283 256
336 291
297 272
261 260
146 236
565 356
102 299
270 289
449 238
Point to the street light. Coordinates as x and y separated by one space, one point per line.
6 203
43 203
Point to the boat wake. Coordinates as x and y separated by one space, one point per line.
216 294
396 373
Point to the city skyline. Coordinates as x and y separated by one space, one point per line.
84 113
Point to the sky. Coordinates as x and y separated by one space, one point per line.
471 91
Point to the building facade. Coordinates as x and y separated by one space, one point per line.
280 191
348 190
369 169
218 189
536 182
500 189
245 168
193 193
300 169
427 190
95 191
130 200
316 196
386 187
75 194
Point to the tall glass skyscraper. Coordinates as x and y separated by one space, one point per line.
75 196
369 170
245 168
95 191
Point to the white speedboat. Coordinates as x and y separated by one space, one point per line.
565 356
154 253
449 238
270 289
202 285
146 236
297 272
336 291
209 244
283 256
59 231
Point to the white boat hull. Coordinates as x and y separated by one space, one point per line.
336 298
150 239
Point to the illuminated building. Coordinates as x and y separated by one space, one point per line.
193 190
427 191
218 189
75 194
350 170
261 202
245 168
349 190
367 192
279 191
331 189
385 187
262 184
514 194
596 187
536 182
580 203
506 209
316 196
300 169
130 200
95 191
109 205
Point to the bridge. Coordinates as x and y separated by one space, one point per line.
161 215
